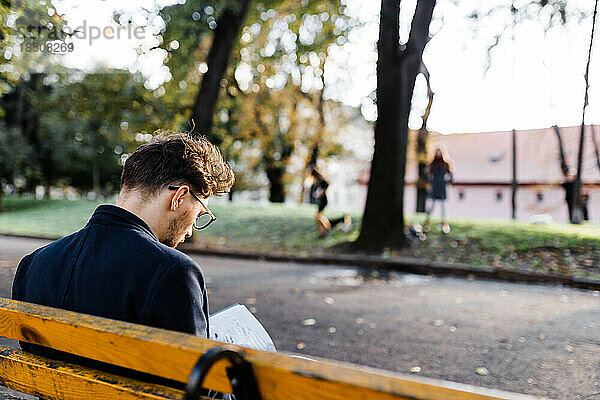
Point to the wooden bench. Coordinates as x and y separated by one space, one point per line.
186 359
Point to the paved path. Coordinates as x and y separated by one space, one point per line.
535 339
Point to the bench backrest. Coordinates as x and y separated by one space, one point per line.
172 355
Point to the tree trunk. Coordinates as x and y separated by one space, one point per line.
514 176
422 137
578 212
383 219
276 189
422 180
314 155
277 168
18 121
27 119
226 32
576 215
568 182
561 150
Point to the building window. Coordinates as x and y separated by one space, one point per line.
499 195
461 195
540 197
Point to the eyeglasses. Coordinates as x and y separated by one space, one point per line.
204 219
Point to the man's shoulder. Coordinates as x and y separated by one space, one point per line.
174 256
130 244
44 261
61 244
135 245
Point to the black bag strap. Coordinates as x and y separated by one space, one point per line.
240 374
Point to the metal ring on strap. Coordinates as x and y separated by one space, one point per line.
240 374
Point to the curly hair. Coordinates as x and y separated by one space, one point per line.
177 159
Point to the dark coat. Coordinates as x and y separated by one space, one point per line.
115 267
321 194
439 176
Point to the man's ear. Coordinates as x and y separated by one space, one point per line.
178 197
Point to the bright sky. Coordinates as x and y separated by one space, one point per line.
536 83
545 86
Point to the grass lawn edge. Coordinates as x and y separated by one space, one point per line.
405 264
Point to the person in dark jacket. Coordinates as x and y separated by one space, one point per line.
585 197
123 264
318 195
439 175
569 187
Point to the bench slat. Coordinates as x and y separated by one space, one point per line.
172 355
50 379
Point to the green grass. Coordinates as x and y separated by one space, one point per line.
281 229
46 218
275 228
500 235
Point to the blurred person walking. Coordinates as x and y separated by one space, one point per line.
569 187
318 195
585 197
439 175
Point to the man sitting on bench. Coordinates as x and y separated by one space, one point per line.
123 264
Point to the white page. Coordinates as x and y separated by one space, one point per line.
237 325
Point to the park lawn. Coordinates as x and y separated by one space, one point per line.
44 218
290 230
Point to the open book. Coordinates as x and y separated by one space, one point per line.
237 325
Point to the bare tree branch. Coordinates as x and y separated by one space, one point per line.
423 70
559 14
497 38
